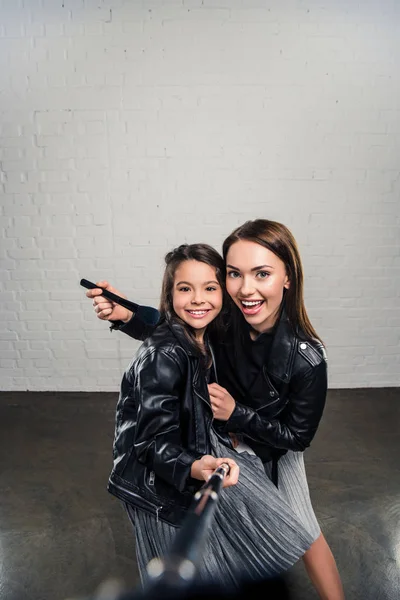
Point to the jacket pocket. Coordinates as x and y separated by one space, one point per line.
274 401
125 494
273 392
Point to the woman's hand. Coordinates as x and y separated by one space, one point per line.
105 309
222 403
203 468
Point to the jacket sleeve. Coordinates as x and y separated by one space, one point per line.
141 325
157 439
296 427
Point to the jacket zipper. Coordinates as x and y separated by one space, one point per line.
202 398
157 508
212 418
152 478
272 388
209 406
213 361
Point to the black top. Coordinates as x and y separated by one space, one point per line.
210 374
240 362
255 353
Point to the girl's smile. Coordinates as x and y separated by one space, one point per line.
198 314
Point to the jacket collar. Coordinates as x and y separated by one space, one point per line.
280 363
178 331
283 346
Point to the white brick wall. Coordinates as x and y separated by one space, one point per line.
130 126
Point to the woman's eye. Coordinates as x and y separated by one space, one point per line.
233 274
262 274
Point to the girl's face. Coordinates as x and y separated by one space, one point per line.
196 295
255 280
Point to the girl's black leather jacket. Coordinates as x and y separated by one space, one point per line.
162 425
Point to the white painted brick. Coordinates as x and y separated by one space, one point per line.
59 253
25 253
4 278
53 326
28 355
11 153
69 335
124 133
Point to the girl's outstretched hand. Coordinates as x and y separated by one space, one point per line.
203 468
222 403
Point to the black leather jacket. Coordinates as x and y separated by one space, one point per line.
295 379
162 426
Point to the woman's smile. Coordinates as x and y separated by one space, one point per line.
251 307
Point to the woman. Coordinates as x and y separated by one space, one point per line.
271 368
165 442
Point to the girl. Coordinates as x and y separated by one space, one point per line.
165 442
271 368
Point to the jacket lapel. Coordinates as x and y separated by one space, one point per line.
281 357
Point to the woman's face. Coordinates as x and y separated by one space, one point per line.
255 280
196 295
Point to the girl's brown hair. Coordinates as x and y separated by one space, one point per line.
279 240
202 253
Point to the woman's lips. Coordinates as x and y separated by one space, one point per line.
252 307
198 314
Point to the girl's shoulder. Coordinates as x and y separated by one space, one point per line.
163 347
161 340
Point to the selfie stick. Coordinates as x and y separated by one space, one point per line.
149 315
178 568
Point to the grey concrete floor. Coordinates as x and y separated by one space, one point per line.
61 533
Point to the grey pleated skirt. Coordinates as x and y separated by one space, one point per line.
258 530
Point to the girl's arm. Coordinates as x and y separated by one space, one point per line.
157 434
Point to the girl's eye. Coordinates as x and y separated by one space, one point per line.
233 274
262 274
211 289
184 289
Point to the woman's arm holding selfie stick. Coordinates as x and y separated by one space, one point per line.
124 315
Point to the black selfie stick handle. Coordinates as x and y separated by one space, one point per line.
110 296
150 316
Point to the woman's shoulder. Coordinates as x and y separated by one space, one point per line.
310 351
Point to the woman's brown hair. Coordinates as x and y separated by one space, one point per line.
202 253
279 240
